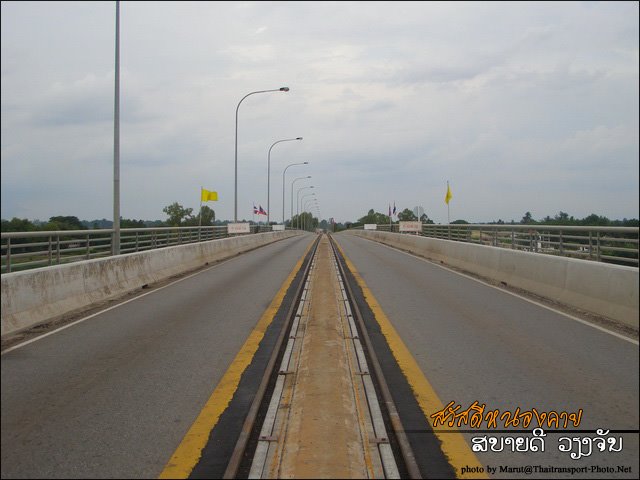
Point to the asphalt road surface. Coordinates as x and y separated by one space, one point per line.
474 342
114 396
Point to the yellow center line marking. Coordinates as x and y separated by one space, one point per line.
188 453
454 445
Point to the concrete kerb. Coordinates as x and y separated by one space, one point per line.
600 288
35 296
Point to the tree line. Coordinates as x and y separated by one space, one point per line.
177 216
562 218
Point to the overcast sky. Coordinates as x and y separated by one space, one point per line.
520 106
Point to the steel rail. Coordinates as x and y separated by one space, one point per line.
238 453
396 424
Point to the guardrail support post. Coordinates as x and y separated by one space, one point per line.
8 255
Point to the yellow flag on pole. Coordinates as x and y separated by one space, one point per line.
448 196
207 196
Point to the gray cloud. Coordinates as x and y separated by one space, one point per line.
521 106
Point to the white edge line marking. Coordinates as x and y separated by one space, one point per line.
597 327
20 345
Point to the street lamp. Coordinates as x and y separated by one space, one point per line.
285 171
269 173
283 174
116 142
312 202
292 183
235 200
305 210
298 205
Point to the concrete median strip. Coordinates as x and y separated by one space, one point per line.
35 296
453 444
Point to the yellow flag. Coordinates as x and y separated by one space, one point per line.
207 196
448 196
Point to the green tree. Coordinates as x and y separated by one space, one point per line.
177 214
17 225
425 219
64 223
208 215
127 223
374 217
527 219
370 217
305 220
407 216
595 220
562 218
208 218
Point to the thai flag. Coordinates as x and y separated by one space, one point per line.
394 208
261 211
255 210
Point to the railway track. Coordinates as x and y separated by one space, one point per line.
323 407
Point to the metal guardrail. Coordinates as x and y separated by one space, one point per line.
26 250
602 244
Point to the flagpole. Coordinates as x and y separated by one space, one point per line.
393 213
448 212
200 216
448 216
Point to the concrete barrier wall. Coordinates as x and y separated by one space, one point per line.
35 296
600 288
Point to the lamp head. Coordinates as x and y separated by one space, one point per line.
299 138
284 89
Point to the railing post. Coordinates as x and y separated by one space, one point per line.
598 251
50 251
58 249
590 244
560 240
88 248
8 255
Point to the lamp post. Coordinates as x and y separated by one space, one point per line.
116 141
285 171
312 202
298 205
235 195
269 173
292 183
